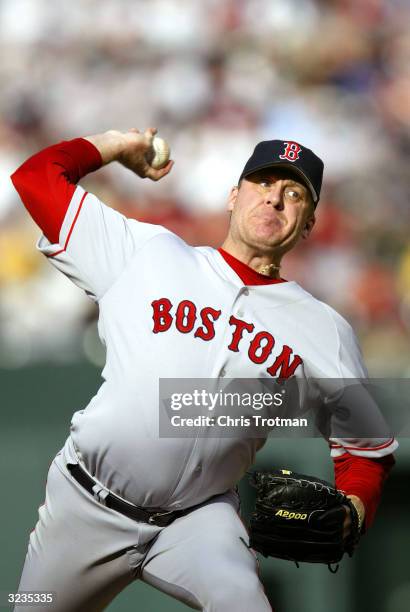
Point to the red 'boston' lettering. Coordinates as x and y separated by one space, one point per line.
238 333
256 346
161 316
260 345
185 316
207 332
282 361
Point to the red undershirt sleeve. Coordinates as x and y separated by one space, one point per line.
46 181
363 477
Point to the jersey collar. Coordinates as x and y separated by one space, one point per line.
247 275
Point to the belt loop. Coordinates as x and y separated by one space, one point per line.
100 494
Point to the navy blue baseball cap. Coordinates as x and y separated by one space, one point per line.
288 154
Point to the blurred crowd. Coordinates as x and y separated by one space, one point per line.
215 77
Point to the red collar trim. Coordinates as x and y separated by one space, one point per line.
247 275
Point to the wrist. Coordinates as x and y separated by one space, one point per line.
361 511
110 145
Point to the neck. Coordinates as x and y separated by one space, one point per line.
267 264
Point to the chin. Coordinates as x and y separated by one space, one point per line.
264 246
269 238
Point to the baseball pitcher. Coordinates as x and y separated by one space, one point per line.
123 503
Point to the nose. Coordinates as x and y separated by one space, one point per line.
274 196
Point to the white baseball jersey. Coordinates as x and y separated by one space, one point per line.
171 310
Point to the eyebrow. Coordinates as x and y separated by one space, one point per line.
290 181
293 182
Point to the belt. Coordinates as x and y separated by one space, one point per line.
162 519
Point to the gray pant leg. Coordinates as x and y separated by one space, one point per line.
201 560
82 551
86 554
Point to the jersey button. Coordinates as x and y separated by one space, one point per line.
222 373
246 291
198 469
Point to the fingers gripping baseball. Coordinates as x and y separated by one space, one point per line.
138 154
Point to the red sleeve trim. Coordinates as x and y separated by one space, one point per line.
71 228
363 448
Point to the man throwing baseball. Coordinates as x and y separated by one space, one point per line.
121 502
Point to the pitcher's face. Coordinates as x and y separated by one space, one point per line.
270 210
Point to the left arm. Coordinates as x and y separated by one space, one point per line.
362 479
361 465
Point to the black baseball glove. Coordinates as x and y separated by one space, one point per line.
300 518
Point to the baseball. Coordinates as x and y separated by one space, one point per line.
161 152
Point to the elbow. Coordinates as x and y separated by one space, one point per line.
20 179
29 184
15 178
29 174
29 190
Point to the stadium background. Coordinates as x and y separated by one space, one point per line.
215 76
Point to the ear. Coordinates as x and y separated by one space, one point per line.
232 198
308 226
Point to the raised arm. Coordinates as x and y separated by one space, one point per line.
88 241
46 181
